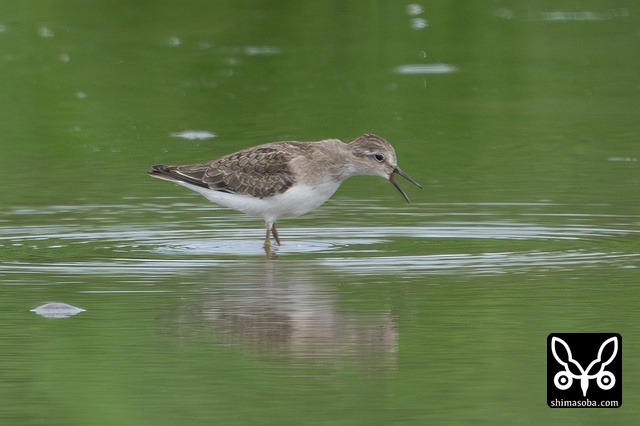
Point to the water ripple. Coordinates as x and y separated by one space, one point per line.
344 235
484 263
101 240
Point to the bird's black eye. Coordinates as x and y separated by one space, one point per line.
379 157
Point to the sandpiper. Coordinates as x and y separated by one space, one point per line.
286 179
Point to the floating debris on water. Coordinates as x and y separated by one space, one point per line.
504 13
564 16
414 9
416 23
57 310
586 15
261 50
425 69
419 24
194 135
622 159
45 32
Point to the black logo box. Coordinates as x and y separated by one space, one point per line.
584 370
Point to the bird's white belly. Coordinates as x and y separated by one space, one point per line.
296 201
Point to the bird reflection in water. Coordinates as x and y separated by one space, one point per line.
285 308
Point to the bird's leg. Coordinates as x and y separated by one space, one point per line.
267 239
274 231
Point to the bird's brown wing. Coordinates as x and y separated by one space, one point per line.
263 171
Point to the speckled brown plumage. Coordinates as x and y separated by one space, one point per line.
263 171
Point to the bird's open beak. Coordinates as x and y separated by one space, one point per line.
392 179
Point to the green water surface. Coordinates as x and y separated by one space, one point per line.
520 119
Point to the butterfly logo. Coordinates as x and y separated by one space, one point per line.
573 370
